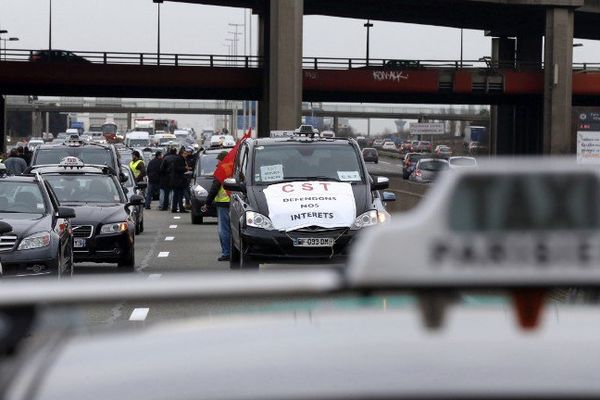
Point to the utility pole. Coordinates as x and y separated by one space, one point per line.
368 25
158 3
461 46
50 30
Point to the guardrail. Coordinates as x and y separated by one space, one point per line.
247 61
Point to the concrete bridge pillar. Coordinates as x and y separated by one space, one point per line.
280 44
558 81
37 123
3 124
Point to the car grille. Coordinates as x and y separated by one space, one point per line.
315 229
83 231
7 242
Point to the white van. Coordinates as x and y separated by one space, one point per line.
163 139
137 139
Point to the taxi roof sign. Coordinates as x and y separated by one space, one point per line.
281 134
71 161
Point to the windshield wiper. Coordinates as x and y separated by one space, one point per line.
310 178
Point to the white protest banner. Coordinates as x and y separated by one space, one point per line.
588 147
296 205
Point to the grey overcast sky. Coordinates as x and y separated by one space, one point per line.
130 26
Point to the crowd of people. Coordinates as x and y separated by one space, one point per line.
16 160
166 175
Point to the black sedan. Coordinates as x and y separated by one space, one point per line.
38 239
200 185
104 230
370 155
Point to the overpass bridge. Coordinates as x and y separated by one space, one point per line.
131 106
534 112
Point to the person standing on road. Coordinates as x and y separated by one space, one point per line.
153 172
15 165
189 167
165 186
175 168
220 198
137 166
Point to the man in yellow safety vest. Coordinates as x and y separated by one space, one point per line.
220 198
137 166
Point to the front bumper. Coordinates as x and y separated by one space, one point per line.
277 246
106 248
32 262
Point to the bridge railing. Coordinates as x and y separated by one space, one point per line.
163 59
242 61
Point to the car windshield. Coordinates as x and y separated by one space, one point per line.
305 161
21 197
463 162
433 165
138 142
206 164
84 188
88 155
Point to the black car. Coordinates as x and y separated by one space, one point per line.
370 155
104 229
200 185
88 153
40 239
131 188
300 199
57 56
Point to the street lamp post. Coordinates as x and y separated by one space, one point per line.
461 46
368 25
158 3
50 30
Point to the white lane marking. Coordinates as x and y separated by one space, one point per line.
139 314
154 276
163 254
172 226
169 238
176 217
385 162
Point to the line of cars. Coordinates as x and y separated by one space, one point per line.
85 196
426 167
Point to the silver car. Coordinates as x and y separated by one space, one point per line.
428 169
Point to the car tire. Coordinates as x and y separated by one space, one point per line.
197 219
234 255
405 176
376 161
246 261
127 264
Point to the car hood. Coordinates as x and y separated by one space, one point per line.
26 224
93 214
258 201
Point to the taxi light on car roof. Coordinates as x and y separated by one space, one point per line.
71 161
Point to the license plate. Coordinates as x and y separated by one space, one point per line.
79 243
313 242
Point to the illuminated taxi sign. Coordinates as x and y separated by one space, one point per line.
516 224
282 134
71 161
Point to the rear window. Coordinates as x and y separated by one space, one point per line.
89 155
207 164
463 162
534 202
433 166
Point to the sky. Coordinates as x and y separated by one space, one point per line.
131 26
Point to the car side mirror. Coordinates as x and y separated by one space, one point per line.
122 177
65 212
141 185
380 183
388 197
136 200
5 228
232 185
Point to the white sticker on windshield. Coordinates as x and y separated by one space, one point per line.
116 197
40 206
271 173
348 176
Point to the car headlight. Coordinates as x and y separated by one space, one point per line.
35 241
369 218
116 227
258 221
200 191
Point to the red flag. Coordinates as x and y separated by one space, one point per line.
224 169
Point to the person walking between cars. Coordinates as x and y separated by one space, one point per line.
220 198
175 166
15 165
137 166
165 186
153 173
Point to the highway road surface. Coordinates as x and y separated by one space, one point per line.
170 243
